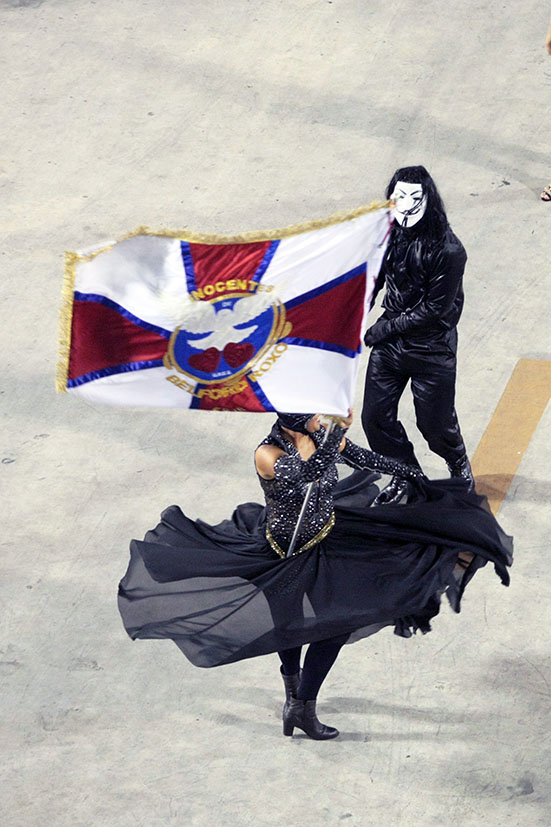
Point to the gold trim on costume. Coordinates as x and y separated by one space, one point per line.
321 535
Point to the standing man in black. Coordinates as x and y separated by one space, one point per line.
416 337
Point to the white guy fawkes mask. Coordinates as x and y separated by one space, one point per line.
411 203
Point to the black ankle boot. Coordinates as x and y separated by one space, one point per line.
462 469
302 714
291 686
392 493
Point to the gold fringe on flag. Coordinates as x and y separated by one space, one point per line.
71 260
65 321
264 235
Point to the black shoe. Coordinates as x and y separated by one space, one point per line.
461 469
291 686
302 714
393 493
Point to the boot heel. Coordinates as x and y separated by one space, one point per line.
302 714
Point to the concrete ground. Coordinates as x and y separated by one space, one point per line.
236 116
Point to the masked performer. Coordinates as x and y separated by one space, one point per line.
416 338
228 592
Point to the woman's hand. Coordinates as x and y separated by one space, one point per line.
346 422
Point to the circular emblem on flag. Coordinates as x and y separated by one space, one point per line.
221 339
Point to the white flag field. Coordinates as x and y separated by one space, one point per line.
258 322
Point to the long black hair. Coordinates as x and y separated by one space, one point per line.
434 223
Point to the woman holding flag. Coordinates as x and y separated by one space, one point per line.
316 565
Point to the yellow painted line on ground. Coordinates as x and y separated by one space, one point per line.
510 429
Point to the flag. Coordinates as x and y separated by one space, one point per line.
260 322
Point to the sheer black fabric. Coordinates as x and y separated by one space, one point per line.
222 594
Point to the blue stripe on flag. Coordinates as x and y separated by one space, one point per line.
265 263
195 400
294 340
260 395
188 266
99 374
328 285
96 297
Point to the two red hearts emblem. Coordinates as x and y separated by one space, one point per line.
235 354
207 361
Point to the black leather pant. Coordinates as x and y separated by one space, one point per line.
430 364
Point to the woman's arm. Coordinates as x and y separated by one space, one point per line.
273 463
358 457
265 459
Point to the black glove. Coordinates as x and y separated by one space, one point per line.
377 333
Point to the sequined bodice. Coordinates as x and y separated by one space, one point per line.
285 493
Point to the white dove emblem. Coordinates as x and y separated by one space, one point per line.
216 329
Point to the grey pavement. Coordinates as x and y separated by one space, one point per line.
224 117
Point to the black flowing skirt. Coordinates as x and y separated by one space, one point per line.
222 594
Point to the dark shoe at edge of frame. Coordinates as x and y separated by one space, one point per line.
462 470
393 493
302 714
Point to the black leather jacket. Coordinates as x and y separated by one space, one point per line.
423 280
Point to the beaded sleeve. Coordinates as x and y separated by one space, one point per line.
291 468
358 457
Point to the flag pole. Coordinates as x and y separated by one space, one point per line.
293 542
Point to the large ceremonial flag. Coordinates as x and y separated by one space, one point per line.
260 322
